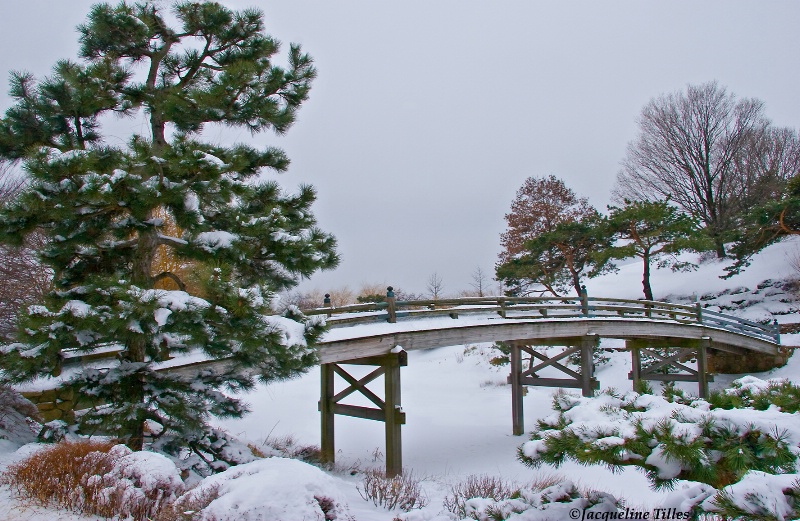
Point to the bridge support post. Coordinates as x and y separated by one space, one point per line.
517 413
702 367
669 364
636 365
394 440
584 380
388 410
326 403
588 345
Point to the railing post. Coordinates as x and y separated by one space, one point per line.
390 301
584 302
698 309
502 303
327 303
392 412
776 328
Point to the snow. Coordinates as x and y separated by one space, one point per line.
216 239
667 468
459 419
292 332
271 489
144 472
761 494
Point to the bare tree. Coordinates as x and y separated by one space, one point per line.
708 152
435 286
480 281
25 280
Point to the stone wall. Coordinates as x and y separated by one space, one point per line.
721 362
54 404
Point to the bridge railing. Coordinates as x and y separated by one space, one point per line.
543 308
512 308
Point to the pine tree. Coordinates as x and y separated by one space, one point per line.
103 207
540 205
561 257
670 438
766 224
654 232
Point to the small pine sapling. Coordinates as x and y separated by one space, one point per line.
670 438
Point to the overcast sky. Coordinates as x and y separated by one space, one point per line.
427 116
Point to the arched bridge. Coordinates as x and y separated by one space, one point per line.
668 342
662 337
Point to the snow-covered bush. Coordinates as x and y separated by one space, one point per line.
14 409
557 501
669 440
758 394
756 497
209 450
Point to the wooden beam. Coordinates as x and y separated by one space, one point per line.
328 446
550 332
636 365
358 385
702 368
673 360
587 346
560 382
554 363
517 414
671 377
394 441
368 413
379 360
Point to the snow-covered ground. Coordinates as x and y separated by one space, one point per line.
458 405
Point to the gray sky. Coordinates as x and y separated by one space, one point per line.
427 116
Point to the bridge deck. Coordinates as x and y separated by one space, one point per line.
426 333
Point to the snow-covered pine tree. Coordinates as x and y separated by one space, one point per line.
102 203
654 231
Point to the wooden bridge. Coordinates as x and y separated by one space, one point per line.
661 337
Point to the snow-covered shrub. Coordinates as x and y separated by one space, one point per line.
756 497
669 439
97 478
557 501
483 486
403 491
489 487
209 450
758 394
14 410
275 489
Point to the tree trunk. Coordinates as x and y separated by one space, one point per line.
137 347
648 291
719 246
576 282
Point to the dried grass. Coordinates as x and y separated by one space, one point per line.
489 487
403 491
76 475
